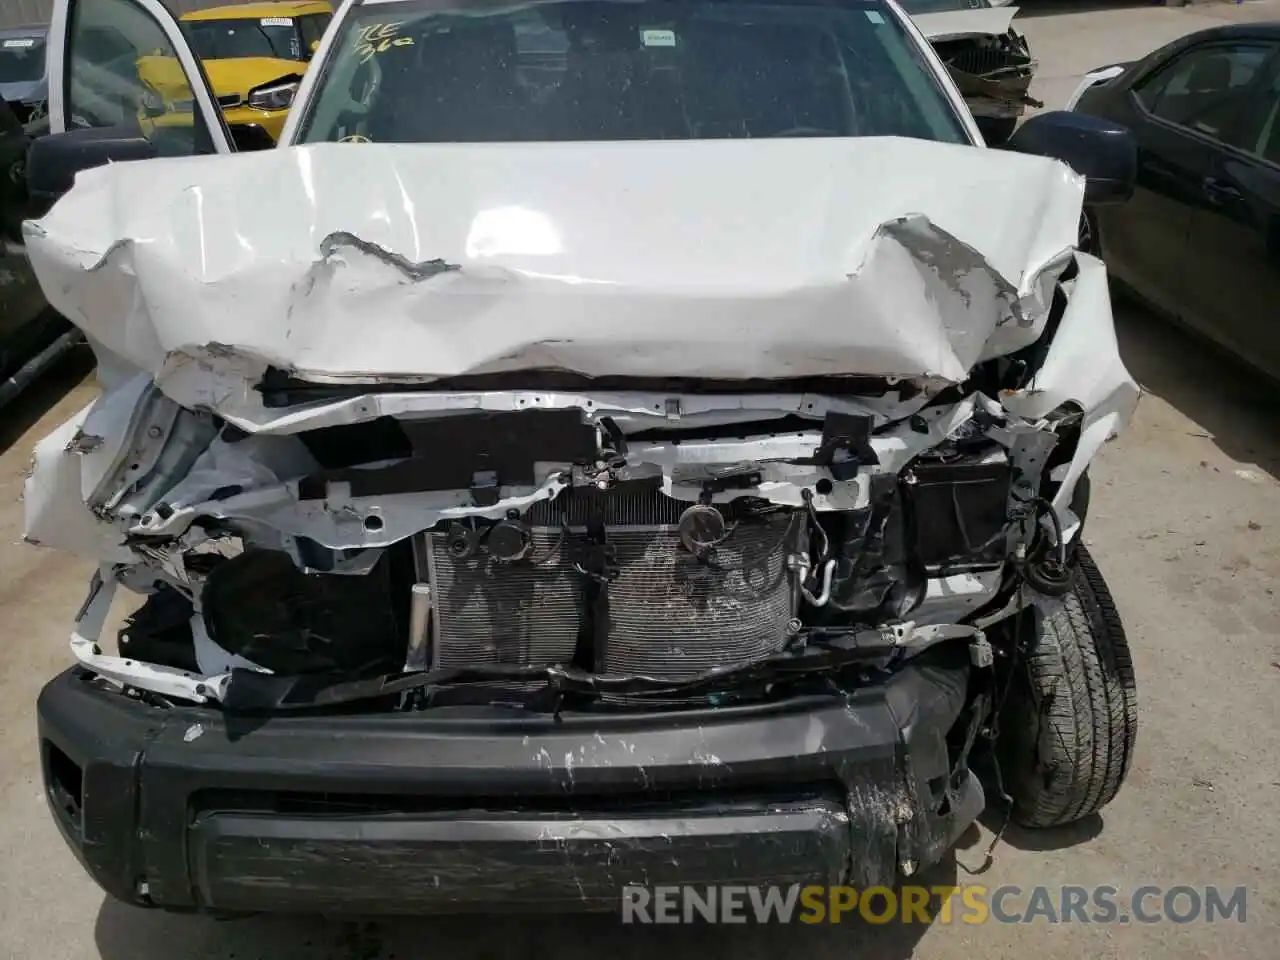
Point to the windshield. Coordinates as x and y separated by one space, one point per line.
428 71
21 59
275 37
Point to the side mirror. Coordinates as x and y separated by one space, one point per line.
53 161
1104 153
250 136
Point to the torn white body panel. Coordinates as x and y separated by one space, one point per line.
265 470
342 523
1083 366
740 259
57 514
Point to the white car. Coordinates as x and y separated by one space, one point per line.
989 60
603 440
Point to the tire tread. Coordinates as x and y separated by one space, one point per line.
1082 687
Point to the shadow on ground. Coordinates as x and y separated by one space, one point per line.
126 933
1030 9
1236 408
26 409
1042 840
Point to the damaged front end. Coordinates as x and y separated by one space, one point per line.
785 584
609 546
990 62
993 73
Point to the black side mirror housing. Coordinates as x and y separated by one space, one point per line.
53 161
1101 151
250 136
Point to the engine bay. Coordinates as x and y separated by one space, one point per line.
782 454
642 553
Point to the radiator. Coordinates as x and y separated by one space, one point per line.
486 613
666 614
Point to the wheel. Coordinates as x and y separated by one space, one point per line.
1068 727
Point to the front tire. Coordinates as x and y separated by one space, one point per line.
1070 722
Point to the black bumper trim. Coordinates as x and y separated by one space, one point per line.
187 808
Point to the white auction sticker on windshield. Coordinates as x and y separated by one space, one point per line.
658 38
276 22
21 44
874 16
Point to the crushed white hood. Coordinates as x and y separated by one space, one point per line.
954 24
711 259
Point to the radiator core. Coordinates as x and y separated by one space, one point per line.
667 614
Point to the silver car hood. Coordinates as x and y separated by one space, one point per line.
346 263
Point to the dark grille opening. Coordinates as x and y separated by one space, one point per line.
65 782
978 61
981 58
652 803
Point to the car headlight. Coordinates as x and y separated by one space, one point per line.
273 96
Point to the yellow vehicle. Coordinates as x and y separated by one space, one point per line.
255 55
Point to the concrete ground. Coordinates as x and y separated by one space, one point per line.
1185 522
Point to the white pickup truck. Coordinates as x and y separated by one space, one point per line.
603 440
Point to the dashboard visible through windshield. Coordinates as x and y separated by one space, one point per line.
21 58
231 39
427 71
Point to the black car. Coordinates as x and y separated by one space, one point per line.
1200 240
32 336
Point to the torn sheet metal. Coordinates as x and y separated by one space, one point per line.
71 492
339 521
157 678
632 411
270 510
1083 366
740 259
989 61
57 515
1002 93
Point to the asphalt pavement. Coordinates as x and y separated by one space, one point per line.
1185 523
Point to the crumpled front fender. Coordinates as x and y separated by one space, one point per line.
1082 366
